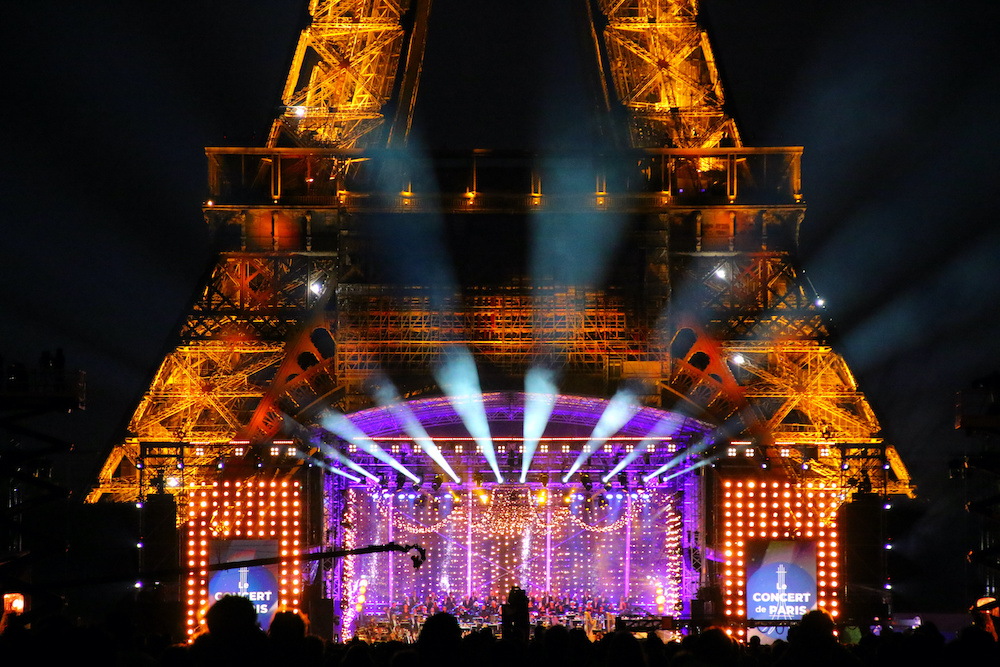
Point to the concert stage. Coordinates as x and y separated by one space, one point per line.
619 533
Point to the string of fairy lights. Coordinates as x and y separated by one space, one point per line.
510 511
351 585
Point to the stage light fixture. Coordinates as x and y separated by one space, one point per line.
478 479
623 480
585 480
400 481
436 485
544 478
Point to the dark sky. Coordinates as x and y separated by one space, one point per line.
109 106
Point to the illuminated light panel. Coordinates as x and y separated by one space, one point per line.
225 511
774 511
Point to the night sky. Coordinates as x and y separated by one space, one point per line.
110 104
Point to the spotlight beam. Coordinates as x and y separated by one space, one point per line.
332 453
672 463
721 433
666 427
341 426
621 408
387 397
540 398
326 466
294 427
458 378
699 464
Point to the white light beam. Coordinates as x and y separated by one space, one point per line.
387 397
459 379
341 426
621 408
540 398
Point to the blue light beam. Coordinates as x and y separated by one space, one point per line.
459 379
621 408
699 464
332 453
666 427
540 398
341 426
687 453
326 466
388 398
293 427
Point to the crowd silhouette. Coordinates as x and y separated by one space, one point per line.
232 636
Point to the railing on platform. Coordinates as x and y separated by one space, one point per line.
640 180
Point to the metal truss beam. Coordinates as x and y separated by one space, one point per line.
664 73
344 72
292 323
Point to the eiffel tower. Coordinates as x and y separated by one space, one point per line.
706 313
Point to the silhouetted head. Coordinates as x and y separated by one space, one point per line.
231 616
816 625
287 626
440 637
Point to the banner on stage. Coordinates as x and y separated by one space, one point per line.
259 584
781 583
